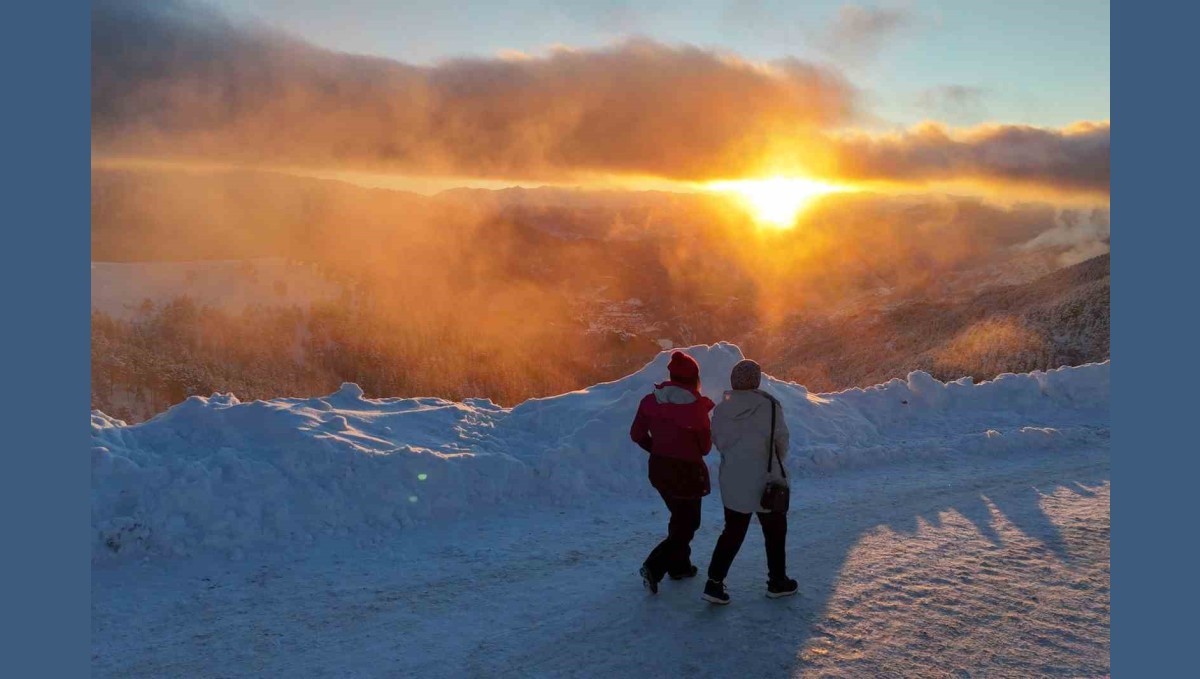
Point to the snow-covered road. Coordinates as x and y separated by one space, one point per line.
964 566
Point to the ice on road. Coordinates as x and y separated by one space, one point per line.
964 566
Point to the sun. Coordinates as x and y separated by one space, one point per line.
777 201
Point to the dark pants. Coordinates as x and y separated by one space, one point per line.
674 554
774 528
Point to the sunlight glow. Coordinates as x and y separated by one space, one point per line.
777 201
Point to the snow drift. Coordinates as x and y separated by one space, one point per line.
217 474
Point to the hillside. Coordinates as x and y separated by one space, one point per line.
1059 319
271 285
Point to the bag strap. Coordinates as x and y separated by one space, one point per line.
772 452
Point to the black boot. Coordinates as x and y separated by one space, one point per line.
649 581
781 588
714 592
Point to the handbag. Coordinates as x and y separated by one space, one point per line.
776 497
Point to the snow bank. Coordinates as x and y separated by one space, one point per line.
217 474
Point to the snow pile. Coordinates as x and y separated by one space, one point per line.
215 473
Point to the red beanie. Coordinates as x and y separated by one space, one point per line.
683 368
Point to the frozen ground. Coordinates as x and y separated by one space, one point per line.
216 474
938 529
968 566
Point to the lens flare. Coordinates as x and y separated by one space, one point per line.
777 201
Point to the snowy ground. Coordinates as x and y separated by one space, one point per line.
216 474
966 565
938 529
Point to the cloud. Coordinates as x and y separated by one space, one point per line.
175 79
957 104
855 36
610 16
1070 159
858 34
1080 234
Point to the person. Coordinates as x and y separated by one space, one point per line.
741 429
672 425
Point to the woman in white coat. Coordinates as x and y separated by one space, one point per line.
741 429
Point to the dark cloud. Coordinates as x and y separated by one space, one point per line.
956 104
174 79
854 36
858 34
1074 158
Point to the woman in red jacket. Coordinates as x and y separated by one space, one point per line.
672 425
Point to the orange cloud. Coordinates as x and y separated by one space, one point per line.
170 80
1072 159
175 81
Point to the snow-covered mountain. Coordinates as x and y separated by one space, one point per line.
218 474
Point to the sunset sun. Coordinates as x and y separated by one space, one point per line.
777 201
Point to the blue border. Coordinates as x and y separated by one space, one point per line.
1155 274
46 386
46 392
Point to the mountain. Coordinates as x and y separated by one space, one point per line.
1061 318
269 284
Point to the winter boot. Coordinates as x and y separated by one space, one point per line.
781 588
648 580
690 572
714 593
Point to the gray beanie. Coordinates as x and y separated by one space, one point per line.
745 375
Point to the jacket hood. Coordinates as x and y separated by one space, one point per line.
670 392
741 404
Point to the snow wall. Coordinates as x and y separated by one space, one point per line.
215 474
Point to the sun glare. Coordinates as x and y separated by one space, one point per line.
777 201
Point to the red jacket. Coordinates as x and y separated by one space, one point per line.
673 422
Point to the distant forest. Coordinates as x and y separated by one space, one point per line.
141 366
165 353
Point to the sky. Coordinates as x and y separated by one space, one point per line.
1003 98
1034 62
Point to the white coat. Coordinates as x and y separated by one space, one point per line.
741 425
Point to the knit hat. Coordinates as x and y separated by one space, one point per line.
684 368
745 375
